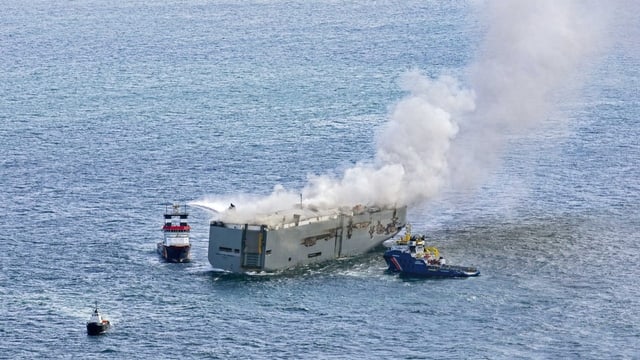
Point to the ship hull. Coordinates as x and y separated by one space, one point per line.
177 254
405 264
242 248
98 328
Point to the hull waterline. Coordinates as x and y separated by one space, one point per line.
177 254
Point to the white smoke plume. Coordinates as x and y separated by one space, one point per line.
532 50
442 133
411 159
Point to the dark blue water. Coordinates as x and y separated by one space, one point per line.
108 110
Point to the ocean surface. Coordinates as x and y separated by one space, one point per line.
110 109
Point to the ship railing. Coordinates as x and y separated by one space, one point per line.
292 223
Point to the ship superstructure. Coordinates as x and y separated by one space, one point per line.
175 246
287 239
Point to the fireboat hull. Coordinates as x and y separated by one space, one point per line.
176 254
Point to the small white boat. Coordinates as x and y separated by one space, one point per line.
96 324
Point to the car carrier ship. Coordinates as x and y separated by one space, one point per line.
300 236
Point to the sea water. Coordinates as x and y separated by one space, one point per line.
108 110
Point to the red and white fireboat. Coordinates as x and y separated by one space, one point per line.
175 247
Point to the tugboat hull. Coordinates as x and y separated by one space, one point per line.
98 328
405 264
177 254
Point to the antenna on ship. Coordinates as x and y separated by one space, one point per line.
300 200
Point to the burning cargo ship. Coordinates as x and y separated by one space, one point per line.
300 236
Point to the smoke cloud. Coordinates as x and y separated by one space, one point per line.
443 133
532 51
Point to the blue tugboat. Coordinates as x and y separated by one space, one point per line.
409 256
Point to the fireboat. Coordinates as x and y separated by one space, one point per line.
175 246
